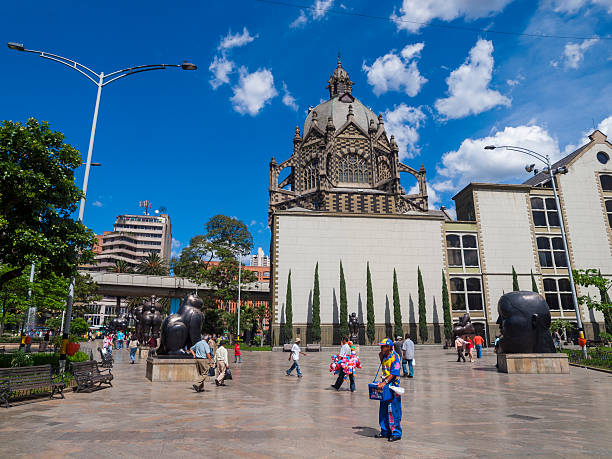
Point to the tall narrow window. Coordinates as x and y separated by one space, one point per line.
466 294
544 211
551 253
462 250
311 175
353 169
558 294
609 211
606 182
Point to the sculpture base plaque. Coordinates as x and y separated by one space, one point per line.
533 363
171 369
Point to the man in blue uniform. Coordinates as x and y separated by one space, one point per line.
390 411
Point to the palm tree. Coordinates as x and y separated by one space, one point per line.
153 265
121 267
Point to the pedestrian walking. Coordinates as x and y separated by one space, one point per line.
345 351
478 343
120 337
390 411
222 363
557 339
459 344
470 347
408 356
237 354
295 356
200 351
397 345
132 346
213 344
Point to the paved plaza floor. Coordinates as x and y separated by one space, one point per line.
449 410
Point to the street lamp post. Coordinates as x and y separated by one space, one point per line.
561 170
100 80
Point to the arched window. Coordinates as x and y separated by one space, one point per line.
384 173
353 169
311 175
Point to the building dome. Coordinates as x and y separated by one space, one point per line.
338 110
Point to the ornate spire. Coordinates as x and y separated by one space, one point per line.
349 115
339 83
297 137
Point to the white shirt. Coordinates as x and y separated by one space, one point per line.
295 352
345 350
221 355
408 348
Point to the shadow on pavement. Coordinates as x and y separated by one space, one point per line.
365 431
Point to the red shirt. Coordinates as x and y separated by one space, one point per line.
237 349
478 341
469 343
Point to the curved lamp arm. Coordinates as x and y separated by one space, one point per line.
544 158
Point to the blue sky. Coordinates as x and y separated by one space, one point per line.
199 143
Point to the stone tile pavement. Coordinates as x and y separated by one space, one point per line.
449 410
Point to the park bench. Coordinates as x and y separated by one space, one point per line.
313 348
87 373
287 347
18 380
107 359
2 349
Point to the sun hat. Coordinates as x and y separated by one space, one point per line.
386 342
297 340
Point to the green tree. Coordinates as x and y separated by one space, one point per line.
397 311
316 308
288 311
534 284
121 267
423 333
78 326
371 325
593 278
212 259
515 284
448 321
152 265
38 197
344 328
85 293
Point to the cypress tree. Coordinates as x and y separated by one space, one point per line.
288 311
534 285
605 299
397 311
371 327
448 321
423 333
344 328
515 284
316 308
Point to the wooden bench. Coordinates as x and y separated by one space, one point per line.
26 379
313 348
107 359
87 373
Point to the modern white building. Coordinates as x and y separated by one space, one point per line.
341 201
261 259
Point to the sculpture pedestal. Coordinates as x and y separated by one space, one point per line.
533 363
171 369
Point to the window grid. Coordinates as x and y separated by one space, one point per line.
311 175
551 253
466 294
462 251
608 203
353 169
558 294
544 212
606 182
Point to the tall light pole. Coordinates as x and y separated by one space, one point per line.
560 170
239 280
100 80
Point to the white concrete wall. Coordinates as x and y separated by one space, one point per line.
586 221
506 241
385 242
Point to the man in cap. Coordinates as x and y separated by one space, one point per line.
295 356
390 411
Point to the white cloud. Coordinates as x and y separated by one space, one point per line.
220 67
393 72
175 246
573 53
176 243
415 12
253 91
472 163
468 85
288 99
605 126
573 6
403 122
96 204
299 21
236 40
321 7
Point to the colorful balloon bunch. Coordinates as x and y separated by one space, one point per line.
349 364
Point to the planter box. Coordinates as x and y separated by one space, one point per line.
171 369
533 363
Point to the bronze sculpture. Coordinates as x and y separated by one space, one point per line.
524 322
182 329
148 319
354 327
118 323
464 327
